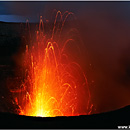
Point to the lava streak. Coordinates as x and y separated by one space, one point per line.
53 85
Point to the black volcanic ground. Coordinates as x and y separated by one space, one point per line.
98 121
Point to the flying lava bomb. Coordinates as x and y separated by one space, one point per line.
53 85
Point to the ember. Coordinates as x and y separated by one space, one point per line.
53 84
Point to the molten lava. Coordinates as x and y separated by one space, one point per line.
53 85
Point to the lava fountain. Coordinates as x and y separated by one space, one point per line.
53 85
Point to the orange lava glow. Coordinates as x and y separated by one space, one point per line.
53 85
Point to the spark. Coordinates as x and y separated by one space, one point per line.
52 88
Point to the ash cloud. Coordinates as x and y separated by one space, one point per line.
105 30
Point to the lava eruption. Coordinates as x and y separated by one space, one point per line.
53 85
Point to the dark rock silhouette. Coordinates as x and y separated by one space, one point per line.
108 120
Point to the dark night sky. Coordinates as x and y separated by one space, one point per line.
20 11
105 30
